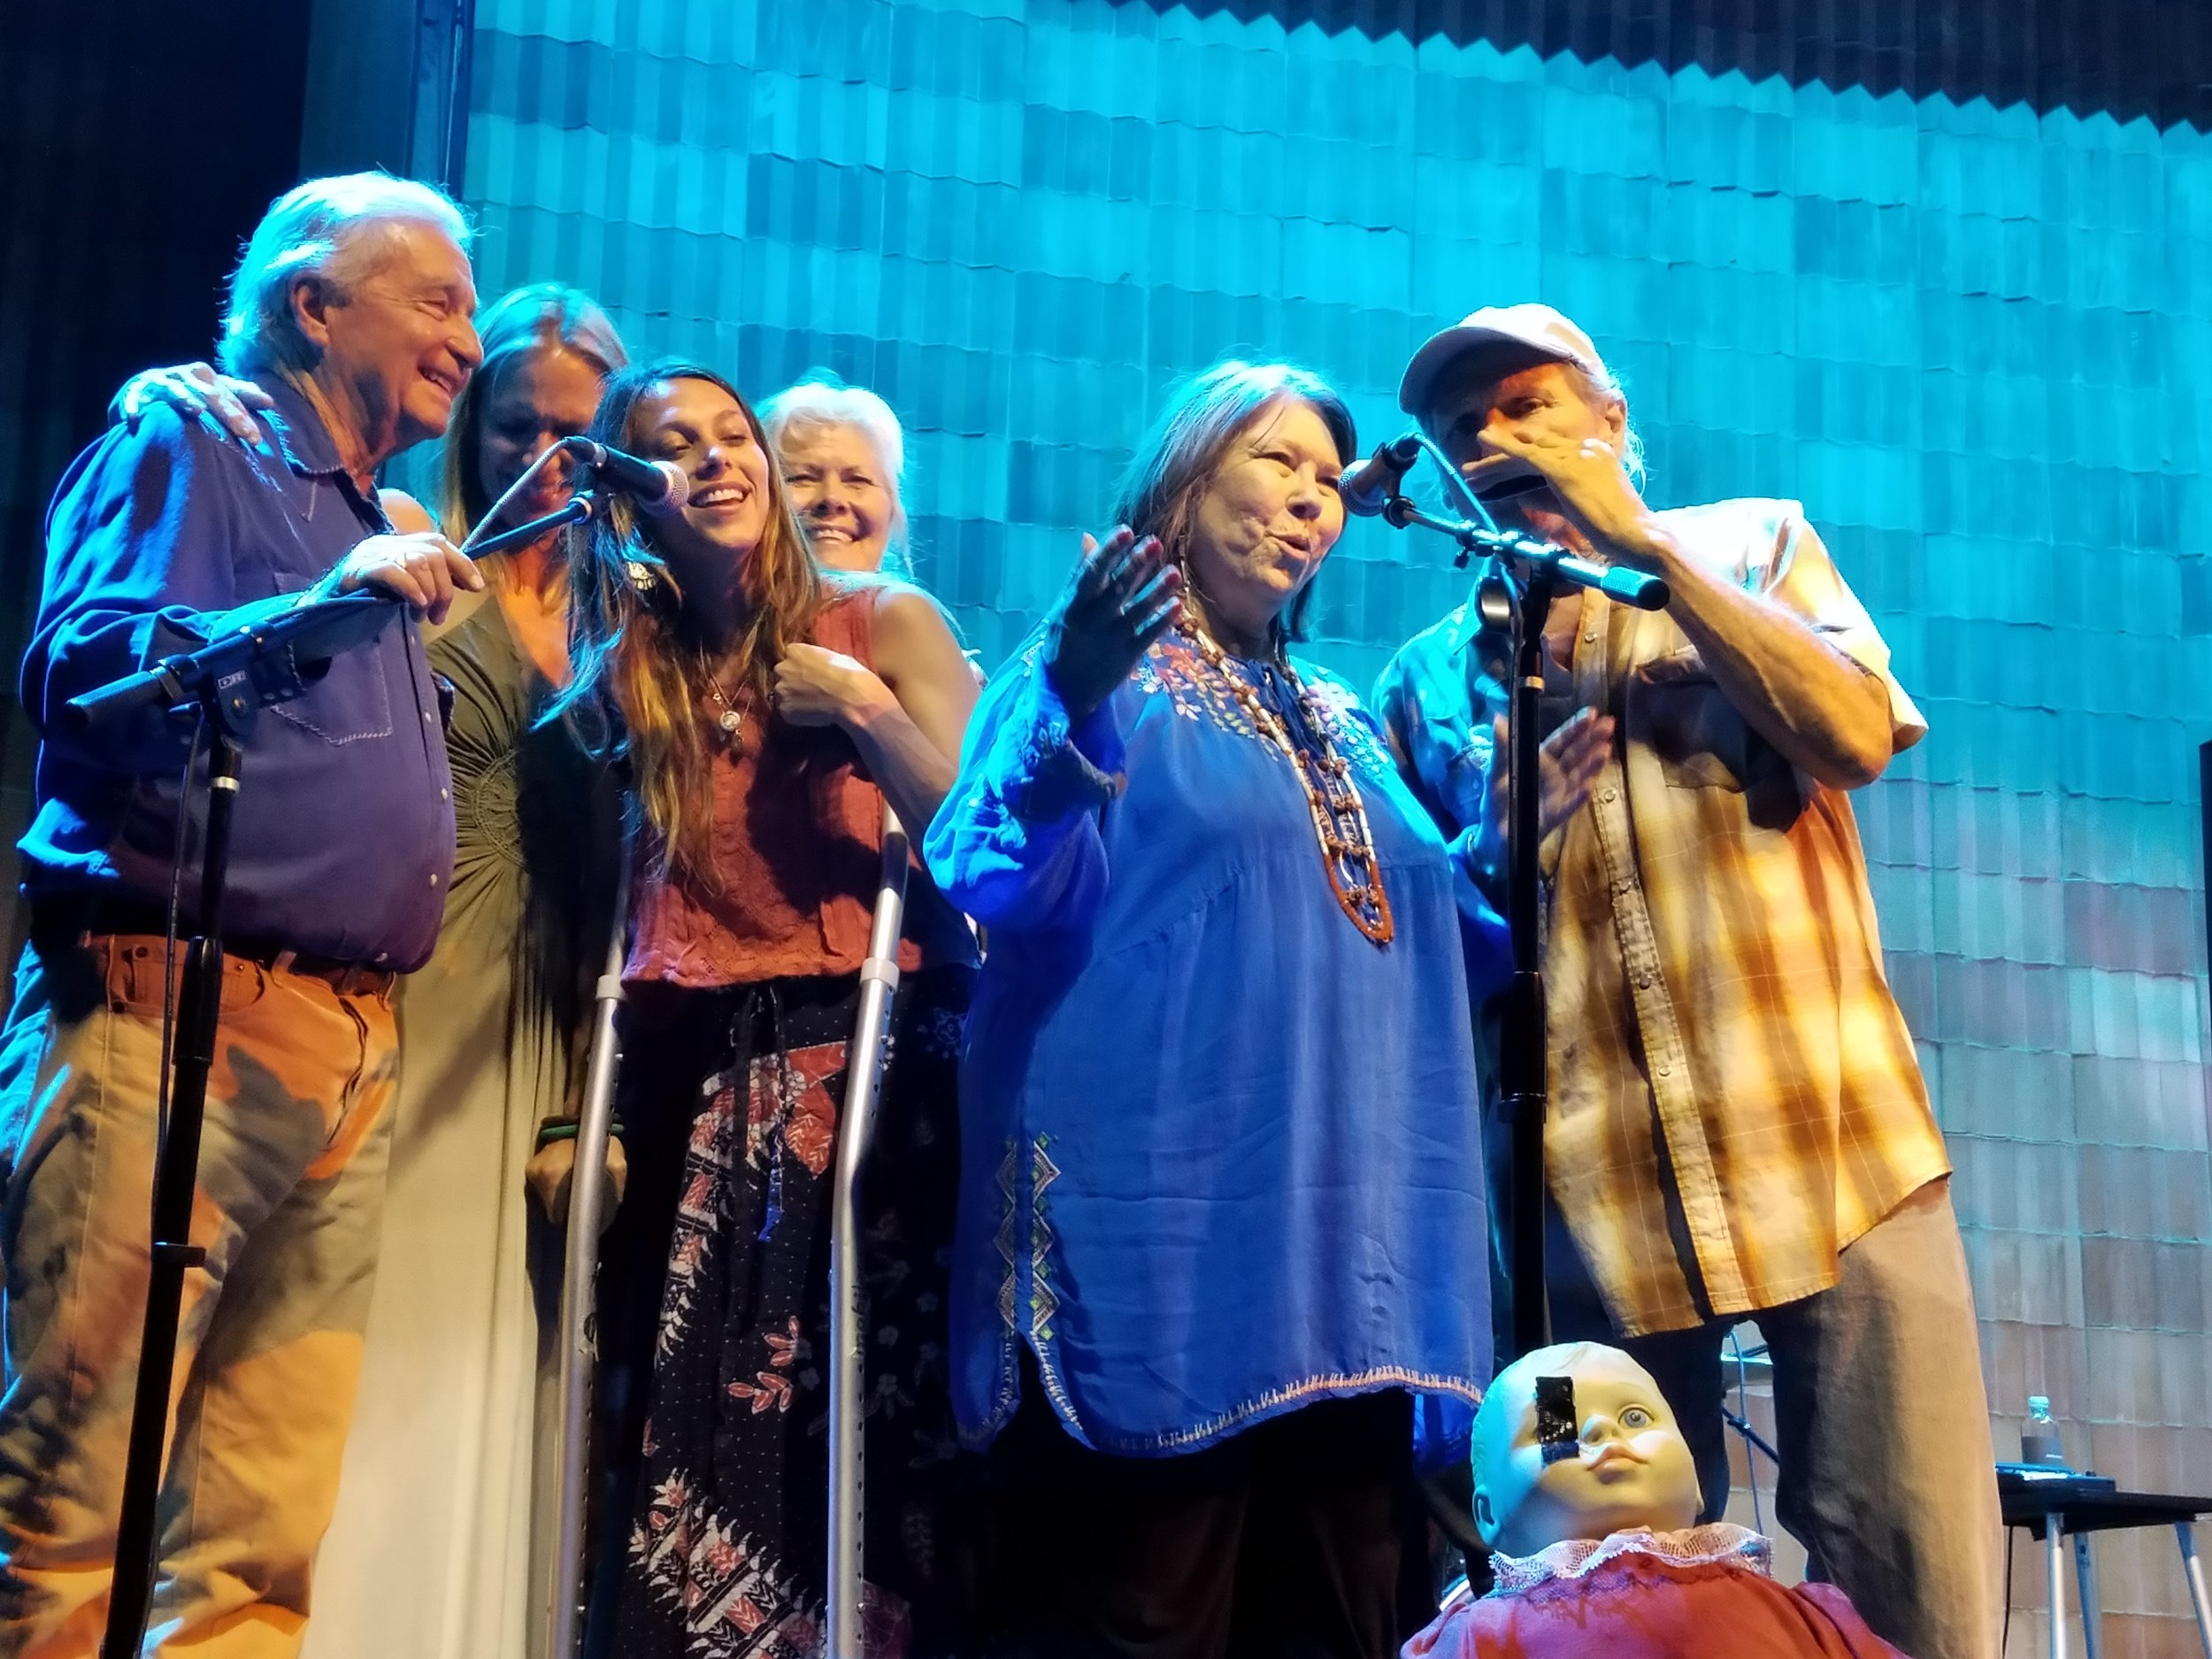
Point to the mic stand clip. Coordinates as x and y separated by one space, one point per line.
1621 582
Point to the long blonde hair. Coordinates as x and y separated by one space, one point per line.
641 665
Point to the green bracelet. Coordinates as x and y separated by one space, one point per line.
567 1129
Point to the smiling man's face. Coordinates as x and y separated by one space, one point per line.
399 343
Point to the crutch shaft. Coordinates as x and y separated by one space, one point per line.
863 1076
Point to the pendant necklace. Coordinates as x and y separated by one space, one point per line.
731 720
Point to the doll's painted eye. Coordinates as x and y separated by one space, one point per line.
1637 1418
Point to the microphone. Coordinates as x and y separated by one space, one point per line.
658 486
1367 486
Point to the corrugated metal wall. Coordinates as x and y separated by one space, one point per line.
1972 340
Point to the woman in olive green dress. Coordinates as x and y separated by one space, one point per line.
440 1547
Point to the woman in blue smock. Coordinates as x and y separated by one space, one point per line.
1221 1205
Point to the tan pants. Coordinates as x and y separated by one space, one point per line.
291 1188
1887 1477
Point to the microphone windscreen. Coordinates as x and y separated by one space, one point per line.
670 502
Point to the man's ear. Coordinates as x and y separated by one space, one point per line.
1617 423
312 300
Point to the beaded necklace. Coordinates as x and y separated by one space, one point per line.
1339 817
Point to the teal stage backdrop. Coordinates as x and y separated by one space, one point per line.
1972 340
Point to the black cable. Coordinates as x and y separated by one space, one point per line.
169 954
2006 1632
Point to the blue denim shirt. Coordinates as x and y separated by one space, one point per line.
1437 699
159 539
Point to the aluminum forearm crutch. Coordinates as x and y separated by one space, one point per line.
587 1205
863 1077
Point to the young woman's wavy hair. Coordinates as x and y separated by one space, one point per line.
641 667
535 317
1176 461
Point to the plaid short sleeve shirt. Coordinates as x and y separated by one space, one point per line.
1721 1030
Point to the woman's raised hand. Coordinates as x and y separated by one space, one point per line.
1123 596
193 388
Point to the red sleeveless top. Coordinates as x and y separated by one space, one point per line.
798 843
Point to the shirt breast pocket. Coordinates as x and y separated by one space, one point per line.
351 701
1678 712
1466 775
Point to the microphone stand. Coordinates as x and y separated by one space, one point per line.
1515 593
176 1177
227 681
579 1333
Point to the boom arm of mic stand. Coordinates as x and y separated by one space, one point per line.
218 673
309 632
578 509
1621 582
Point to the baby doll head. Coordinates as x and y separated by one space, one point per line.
1576 1441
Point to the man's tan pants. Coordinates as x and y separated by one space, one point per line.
289 1209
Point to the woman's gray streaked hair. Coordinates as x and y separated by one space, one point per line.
317 229
821 401
1177 459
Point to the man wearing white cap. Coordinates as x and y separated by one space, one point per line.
1738 1126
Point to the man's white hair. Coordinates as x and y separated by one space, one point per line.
329 229
1604 387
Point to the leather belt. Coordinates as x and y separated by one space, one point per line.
59 921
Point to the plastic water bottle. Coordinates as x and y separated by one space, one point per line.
2039 1436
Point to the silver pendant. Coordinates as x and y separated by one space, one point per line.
730 721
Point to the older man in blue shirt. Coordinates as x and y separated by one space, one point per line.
353 305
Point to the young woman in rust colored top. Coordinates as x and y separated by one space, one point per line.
766 712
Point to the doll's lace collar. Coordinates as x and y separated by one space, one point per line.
1576 1557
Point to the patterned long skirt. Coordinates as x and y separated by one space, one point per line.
726 1537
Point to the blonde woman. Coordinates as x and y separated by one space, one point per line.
446 1475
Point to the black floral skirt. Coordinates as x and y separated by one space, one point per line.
720 1394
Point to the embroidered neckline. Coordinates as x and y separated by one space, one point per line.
1333 798
1573 1558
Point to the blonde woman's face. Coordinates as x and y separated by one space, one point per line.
701 429
534 400
840 491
